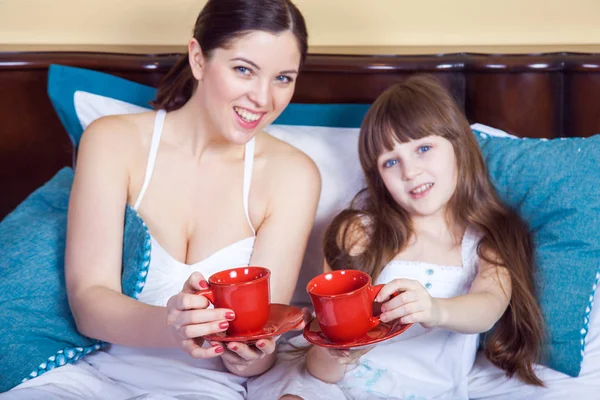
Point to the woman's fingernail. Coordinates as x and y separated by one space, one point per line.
224 325
203 284
229 316
219 350
234 348
261 344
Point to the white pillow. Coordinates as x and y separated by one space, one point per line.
492 131
335 152
89 107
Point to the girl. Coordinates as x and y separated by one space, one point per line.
169 165
431 228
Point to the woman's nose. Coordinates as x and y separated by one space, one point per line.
260 93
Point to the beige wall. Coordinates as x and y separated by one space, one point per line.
331 22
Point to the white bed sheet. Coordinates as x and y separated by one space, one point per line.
486 381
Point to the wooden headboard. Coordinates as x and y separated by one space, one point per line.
535 95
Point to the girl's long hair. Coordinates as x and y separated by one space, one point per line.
416 108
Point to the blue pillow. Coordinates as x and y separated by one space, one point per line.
64 82
555 186
37 330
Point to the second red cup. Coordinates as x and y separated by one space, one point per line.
343 304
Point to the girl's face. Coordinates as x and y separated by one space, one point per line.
248 84
421 175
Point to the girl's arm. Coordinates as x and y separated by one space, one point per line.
280 245
94 250
474 312
325 365
482 307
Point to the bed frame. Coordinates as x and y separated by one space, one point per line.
532 95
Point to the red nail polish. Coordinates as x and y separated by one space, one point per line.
230 316
224 325
219 350
262 344
203 284
234 348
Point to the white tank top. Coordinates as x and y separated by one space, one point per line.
422 363
166 275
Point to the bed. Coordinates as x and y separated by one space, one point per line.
532 95
548 95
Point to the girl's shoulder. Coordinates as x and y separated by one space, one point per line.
355 229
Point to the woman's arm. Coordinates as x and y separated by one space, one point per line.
94 245
474 312
94 248
280 245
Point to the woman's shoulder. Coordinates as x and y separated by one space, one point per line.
285 160
122 139
121 128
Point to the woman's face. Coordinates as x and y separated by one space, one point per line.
248 84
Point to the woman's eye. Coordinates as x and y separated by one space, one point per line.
284 79
390 163
424 149
243 70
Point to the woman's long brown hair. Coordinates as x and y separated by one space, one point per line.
416 108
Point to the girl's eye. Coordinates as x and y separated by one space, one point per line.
284 79
390 163
424 149
243 70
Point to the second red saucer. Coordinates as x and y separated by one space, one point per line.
282 318
383 331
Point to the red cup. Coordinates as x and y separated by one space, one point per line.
245 290
343 304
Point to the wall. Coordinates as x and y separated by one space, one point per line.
331 22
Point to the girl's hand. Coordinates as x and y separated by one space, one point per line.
188 319
412 304
240 355
349 356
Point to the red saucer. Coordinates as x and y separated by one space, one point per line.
383 331
282 318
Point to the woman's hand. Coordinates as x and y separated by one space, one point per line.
250 360
188 319
412 304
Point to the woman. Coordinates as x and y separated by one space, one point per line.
215 192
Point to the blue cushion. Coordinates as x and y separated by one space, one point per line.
64 82
555 186
37 330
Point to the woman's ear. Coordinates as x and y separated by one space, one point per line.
196 59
